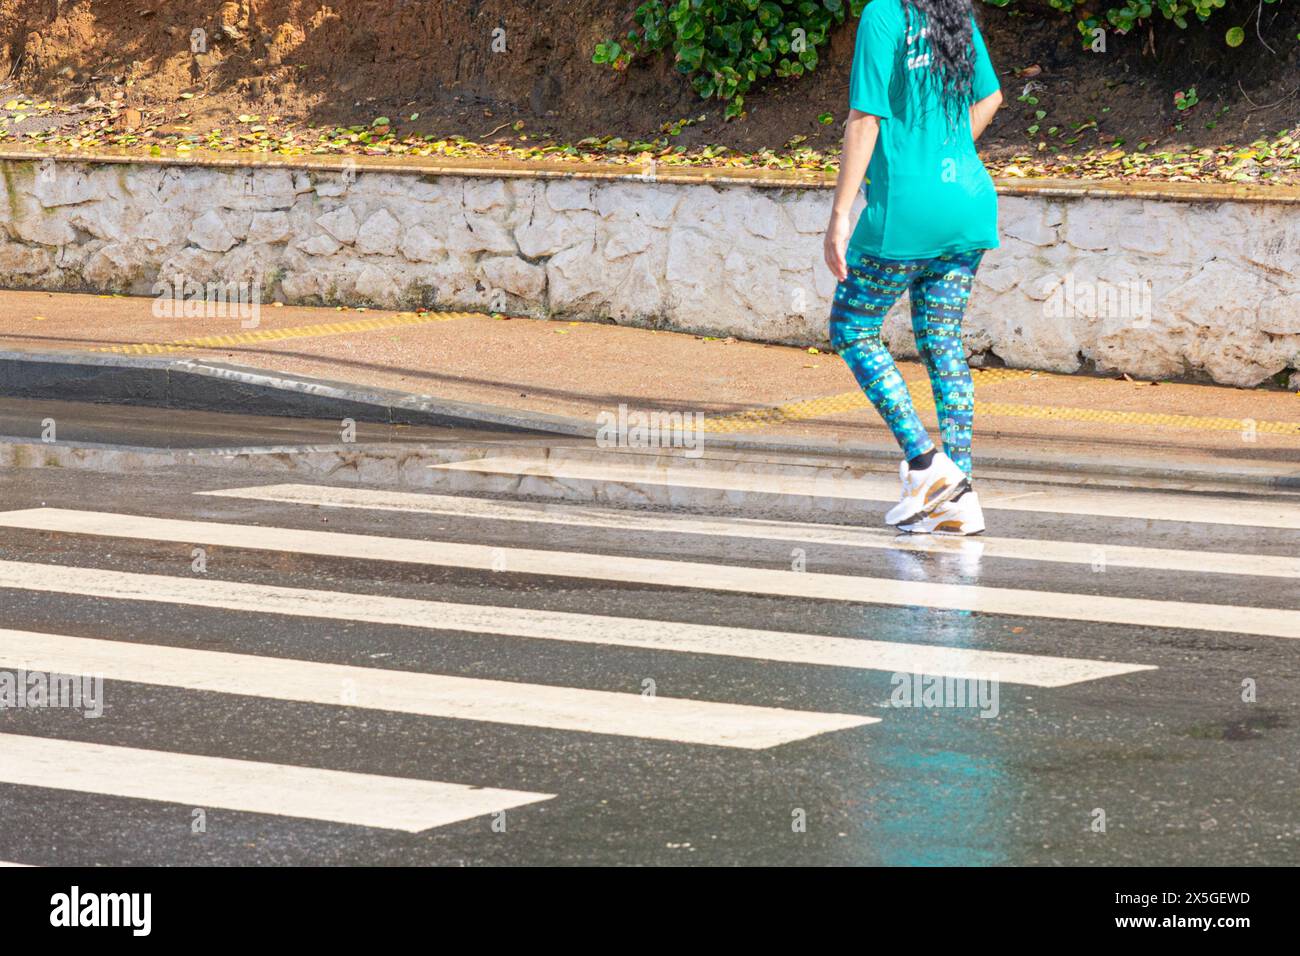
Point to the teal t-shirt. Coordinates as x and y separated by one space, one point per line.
928 192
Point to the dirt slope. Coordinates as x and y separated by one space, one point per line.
348 61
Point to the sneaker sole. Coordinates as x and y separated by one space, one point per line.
942 534
947 493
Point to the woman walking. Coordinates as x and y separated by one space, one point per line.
922 91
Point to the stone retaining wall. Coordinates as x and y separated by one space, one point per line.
1155 288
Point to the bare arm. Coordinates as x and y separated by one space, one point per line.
860 135
981 113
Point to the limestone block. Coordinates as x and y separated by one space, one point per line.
552 232
67 184
209 232
1280 315
514 275
753 211
18 259
702 209
110 267
1088 228
322 245
470 234
574 275
648 203
484 194
44 228
421 245
640 296
1024 218
341 223
257 189
563 195
379 235
269 227
809 210
375 284
624 238
164 227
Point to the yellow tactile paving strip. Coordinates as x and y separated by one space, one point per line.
762 417
278 335
988 376
1145 419
756 418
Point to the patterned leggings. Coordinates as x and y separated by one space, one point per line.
940 288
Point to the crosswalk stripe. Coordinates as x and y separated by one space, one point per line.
1057 605
1142 505
892 657
360 799
1066 552
431 695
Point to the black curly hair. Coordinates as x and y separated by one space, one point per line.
950 41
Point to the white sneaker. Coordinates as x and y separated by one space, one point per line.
926 489
961 517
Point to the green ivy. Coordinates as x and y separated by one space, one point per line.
726 46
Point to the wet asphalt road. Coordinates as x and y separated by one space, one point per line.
1185 771
80 423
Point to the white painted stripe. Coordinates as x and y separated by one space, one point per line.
1142 505
7 863
852 536
1058 605
1029 669
361 799
430 695
683 574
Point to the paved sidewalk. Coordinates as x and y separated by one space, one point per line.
780 396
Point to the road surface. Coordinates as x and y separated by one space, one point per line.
313 672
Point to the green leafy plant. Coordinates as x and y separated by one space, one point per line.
726 46
1124 16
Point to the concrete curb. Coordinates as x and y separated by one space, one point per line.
196 385
637 170
1008 464
191 384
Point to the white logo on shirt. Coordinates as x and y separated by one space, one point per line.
917 60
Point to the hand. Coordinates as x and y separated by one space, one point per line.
835 246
